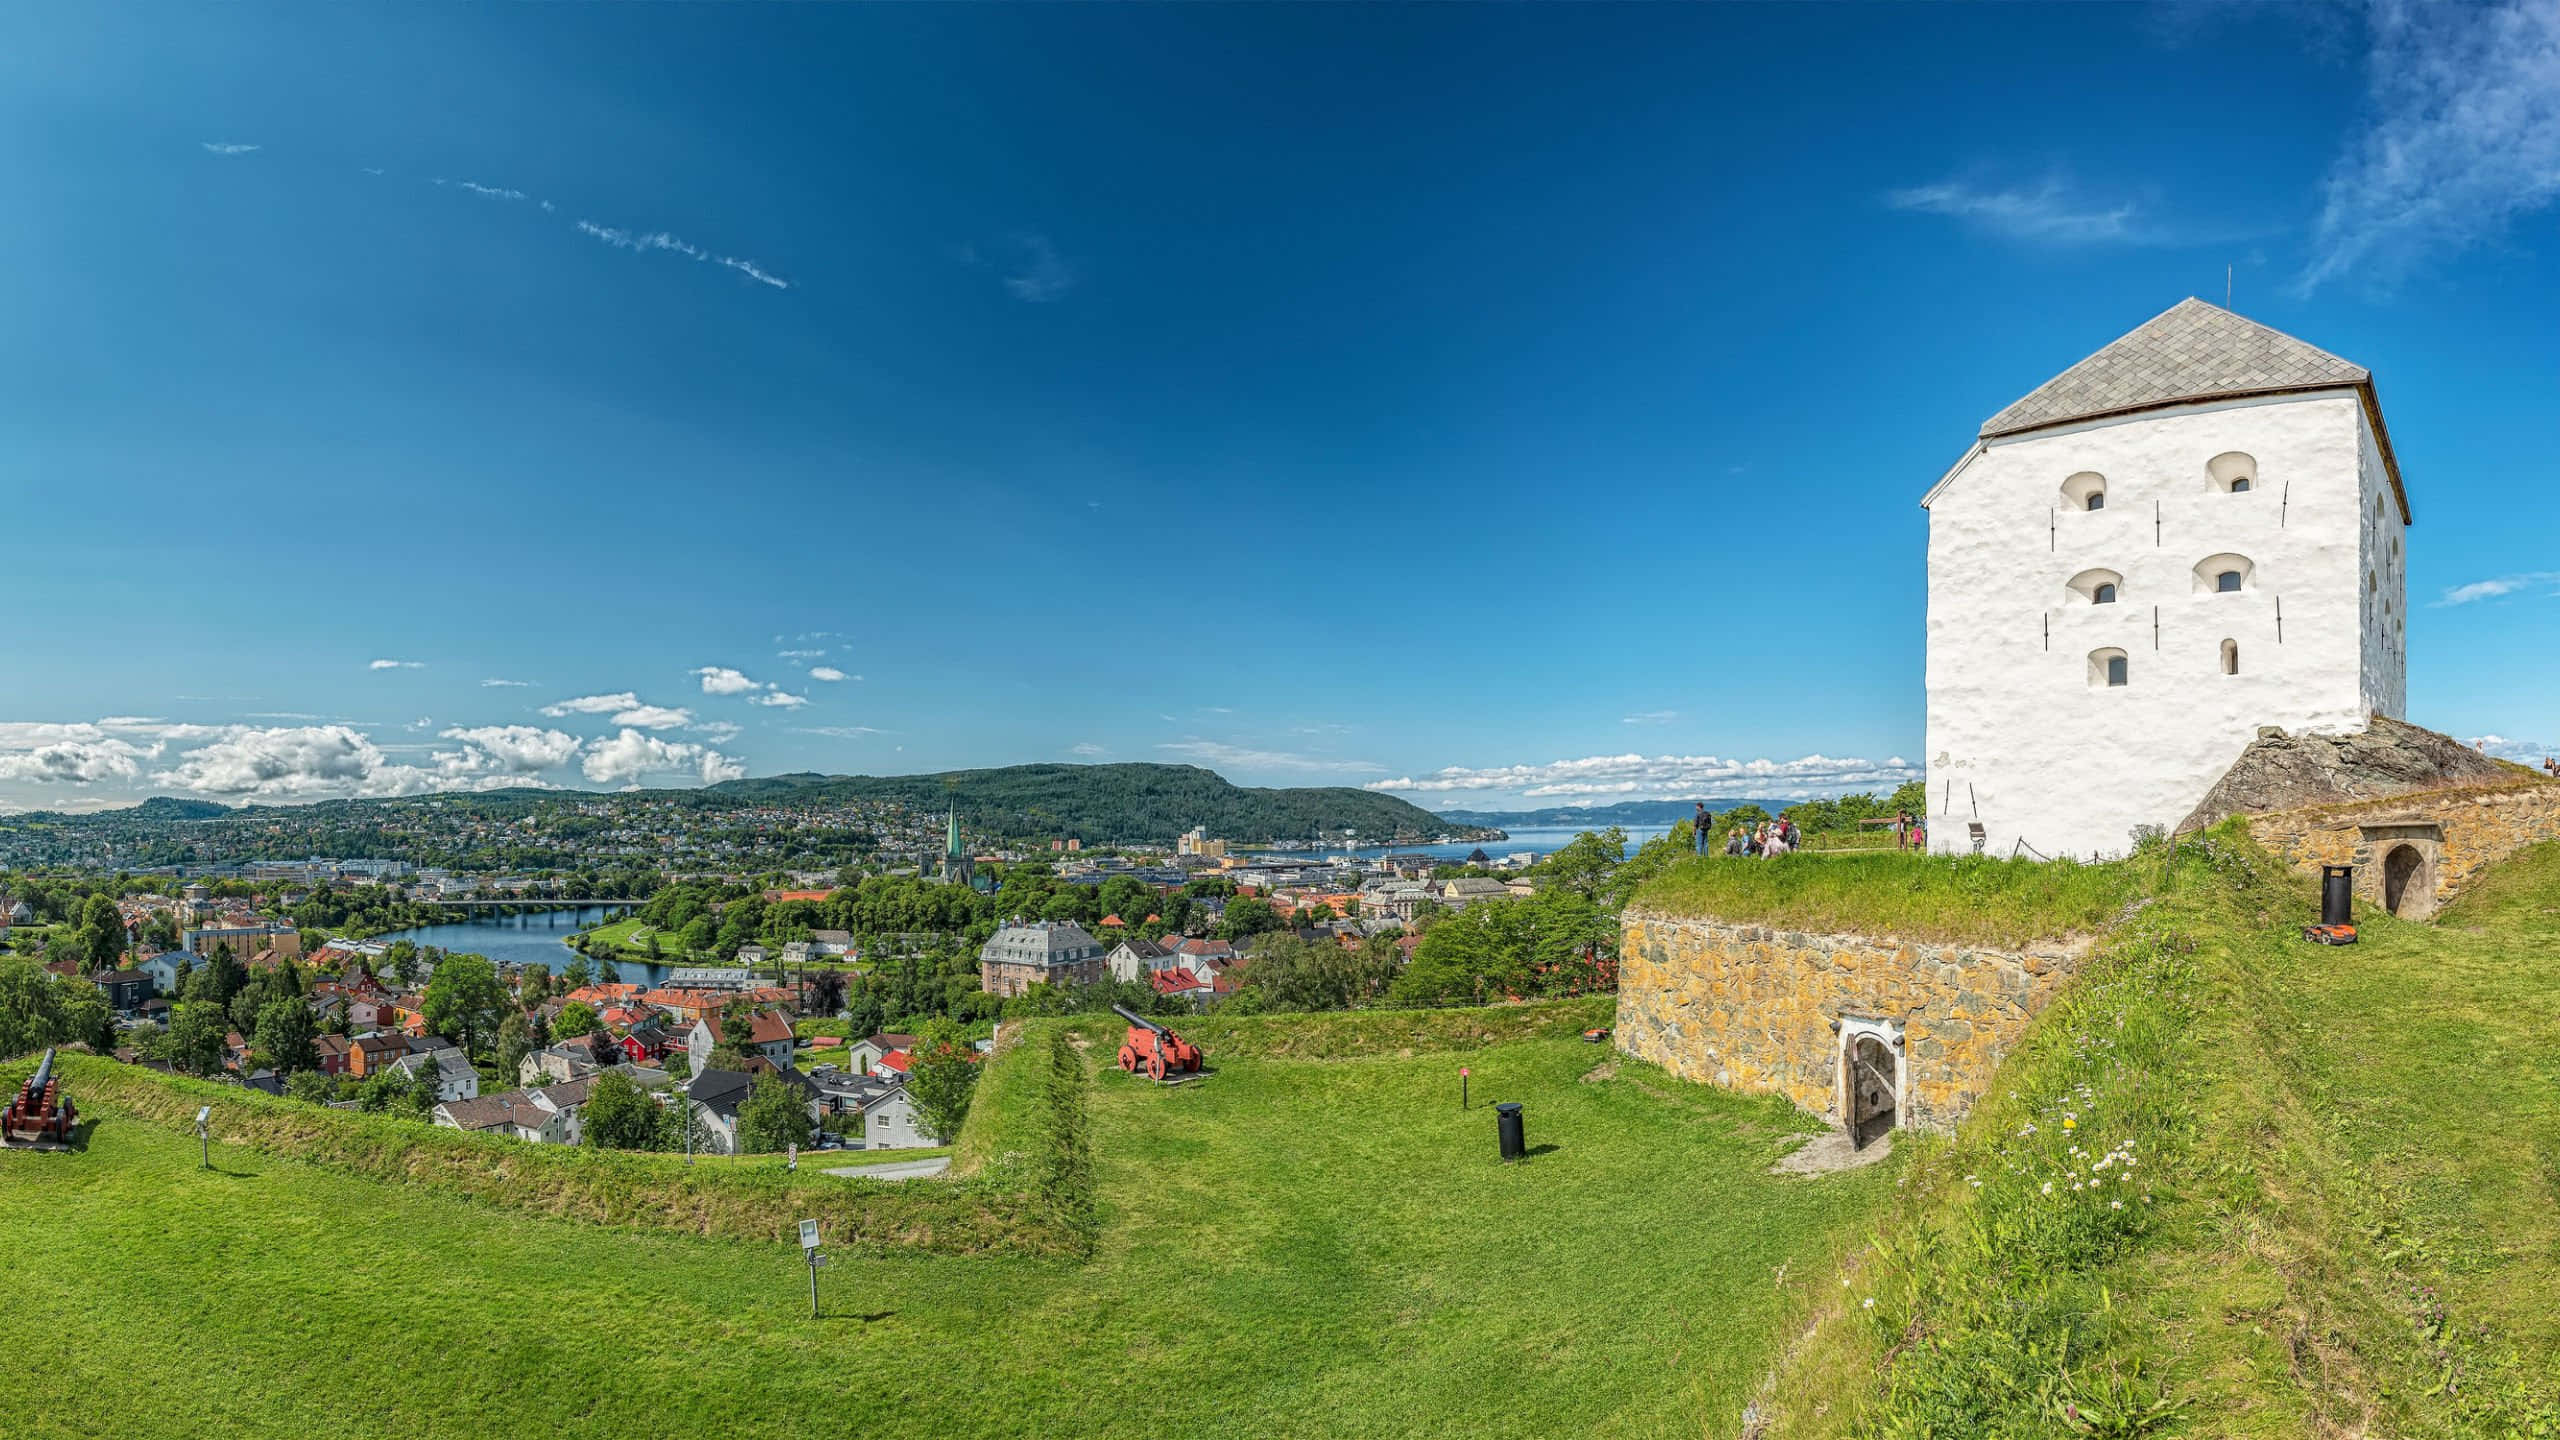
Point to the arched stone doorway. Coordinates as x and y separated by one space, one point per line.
2402 871
1871 1080
2398 864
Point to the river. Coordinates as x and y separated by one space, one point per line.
1541 842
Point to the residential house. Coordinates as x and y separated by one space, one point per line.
369 1053
715 1096
574 1059
164 970
890 1120
866 1052
832 943
1133 959
1041 952
546 1116
333 1050
769 1036
125 990
454 1077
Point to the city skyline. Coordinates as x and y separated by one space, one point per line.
411 401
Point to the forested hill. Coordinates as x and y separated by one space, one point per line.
1101 803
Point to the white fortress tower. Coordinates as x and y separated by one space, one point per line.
2193 533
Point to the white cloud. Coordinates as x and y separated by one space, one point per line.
1088 749
2496 586
280 760
838 732
74 762
669 244
780 698
505 684
1212 752
798 654
1039 273
1651 717
223 148
717 730
519 749
1637 777
592 705
654 717
490 192
825 672
628 757
2462 137
721 680
2047 213
397 665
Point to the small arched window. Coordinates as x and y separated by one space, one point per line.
2230 657
2232 472
2094 587
2085 491
2225 575
2107 669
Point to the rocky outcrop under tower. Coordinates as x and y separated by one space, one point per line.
2390 757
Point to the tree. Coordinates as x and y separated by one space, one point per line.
515 1041
381 1090
576 1018
401 959
941 1078
578 974
284 1034
312 1087
197 1031
464 1001
219 980
737 1023
1249 917
100 934
772 1116
1584 864
619 1115
421 1093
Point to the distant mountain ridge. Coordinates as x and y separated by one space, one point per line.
1593 817
1106 803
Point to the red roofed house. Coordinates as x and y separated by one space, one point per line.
769 1035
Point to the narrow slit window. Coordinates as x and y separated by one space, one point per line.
2230 657
2115 670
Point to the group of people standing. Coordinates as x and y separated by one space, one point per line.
1769 837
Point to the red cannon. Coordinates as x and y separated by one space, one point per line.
1153 1048
39 1115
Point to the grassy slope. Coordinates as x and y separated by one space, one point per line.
1294 1247
1915 897
2354 1162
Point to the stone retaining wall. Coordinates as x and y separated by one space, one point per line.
2461 832
1757 1009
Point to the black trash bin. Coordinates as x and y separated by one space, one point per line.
2337 894
1507 1119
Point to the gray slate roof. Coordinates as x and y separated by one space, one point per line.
2191 351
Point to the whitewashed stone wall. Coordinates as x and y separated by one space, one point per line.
2019 736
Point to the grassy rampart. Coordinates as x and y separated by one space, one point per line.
753 1198
1943 899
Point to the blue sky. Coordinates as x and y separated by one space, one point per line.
1328 394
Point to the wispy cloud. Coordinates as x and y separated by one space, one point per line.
779 698
828 672
1663 776
1088 750
397 665
218 147
491 192
2051 212
1651 717
798 654
662 242
721 680
2462 137
1244 757
654 717
1038 273
592 704
2495 586
2526 752
494 683
838 732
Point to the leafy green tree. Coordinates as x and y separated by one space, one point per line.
578 974
100 934
421 1092
619 1115
220 978
197 1031
311 1087
576 1018
285 1034
465 1000
402 960
1250 916
772 1116
515 1041
381 1090
942 1077
1585 862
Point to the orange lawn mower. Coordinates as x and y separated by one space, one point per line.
2337 907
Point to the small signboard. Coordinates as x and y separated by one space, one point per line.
808 1234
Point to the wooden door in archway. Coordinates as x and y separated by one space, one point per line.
1871 1091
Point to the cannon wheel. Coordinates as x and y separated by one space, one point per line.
1129 1059
1155 1067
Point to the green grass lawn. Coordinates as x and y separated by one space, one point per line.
625 937
1967 899
1292 1247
